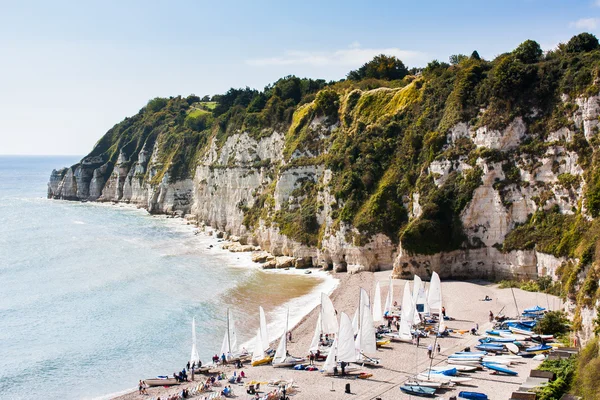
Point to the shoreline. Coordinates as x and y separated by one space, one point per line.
205 239
400 361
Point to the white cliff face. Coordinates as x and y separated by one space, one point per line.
506 139
586 116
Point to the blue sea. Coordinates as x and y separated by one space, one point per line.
94 297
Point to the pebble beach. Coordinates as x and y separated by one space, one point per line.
399 361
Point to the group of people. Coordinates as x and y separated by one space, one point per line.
142 387
181 376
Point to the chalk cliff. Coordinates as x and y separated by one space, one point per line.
481 169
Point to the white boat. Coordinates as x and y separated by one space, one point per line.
395 337
495 360
259 357
365 342
433 384
467 363
327 323
404 333
513 336
443 378
229 347
194 357
161 382
342 348
281 358
460 368
519 331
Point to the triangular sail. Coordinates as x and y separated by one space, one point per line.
331 360
366 339
389 300
281 352
355 324
328 318
406 318
346 351
225 344
264 333
417 284
194 358
232 334
435 293
258 353
314 344
377 314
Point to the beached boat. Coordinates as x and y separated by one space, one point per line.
542 348
496 360
259 357
437 385
421 391
513 348
535 309
521 331
472 396
229 347
448 371
444 378
459 368
342 349
489 347
281 358
161 381
377 312
365 342
500 369
327 324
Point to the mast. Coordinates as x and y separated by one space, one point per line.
228 334
515 299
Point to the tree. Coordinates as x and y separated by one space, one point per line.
157 104
192 98
552 323
582 43
457 58
475 55
327 103
206 98
380 67
528 52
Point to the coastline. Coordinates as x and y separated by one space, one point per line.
206 238
400 361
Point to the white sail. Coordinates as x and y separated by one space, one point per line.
377 313
407 309
355 324
314 344
331 360
389 300
417 284
328 319
225 345
367 339
427 310
232 334
435 293
264 333
194 357
346 351
258 353
281 352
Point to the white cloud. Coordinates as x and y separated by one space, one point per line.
586 23
352 56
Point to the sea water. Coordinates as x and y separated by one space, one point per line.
95 297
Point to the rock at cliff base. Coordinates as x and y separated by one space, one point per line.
284 262
219 235
260 256
303 262
269 264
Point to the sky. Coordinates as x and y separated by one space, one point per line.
70 70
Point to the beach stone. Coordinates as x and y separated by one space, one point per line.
220 235
234 238
269 264
260 256
270 257
284 262
303 262
236 247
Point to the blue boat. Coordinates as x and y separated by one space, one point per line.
499 368
460 356
496 340
496 332
450 371
535 309
471 353
541 347
472 396
422 391
490 347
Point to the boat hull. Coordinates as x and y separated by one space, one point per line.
161 382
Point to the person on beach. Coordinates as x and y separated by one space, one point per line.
430 351
439 349
188 365
311 358
140 387
223 359
444 312
491 316
289 336
418 338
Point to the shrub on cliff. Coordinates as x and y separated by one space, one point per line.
564 369
528 52
581 43
380 67
552 323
